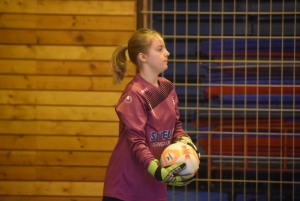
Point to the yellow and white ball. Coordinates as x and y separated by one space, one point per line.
181 152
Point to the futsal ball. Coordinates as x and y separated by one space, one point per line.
181 152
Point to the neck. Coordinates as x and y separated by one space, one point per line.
151 78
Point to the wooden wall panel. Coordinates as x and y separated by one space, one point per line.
51 188
51 52
58 127
31 37
82 83
76 21
21 112
69 143
82 7
58 124
69 98
47 67
54 173
49 198
54 158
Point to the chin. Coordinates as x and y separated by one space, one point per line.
163 70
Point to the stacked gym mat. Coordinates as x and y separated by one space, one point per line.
251 94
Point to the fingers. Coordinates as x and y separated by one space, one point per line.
180 182
177 167
173 180
195 148
186 182
189 142
187 177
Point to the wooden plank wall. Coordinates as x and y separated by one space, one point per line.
57 120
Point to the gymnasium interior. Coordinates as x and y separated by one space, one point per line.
234 65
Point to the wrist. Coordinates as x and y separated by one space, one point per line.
153 166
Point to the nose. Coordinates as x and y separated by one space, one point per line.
167 53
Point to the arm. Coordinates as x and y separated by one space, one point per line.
180 134
131 110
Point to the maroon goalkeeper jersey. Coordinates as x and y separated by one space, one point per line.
149 121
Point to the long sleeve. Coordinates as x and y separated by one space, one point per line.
133 116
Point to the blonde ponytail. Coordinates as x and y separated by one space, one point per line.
118 63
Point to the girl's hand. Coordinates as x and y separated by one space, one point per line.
168 173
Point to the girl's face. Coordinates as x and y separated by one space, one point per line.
157 56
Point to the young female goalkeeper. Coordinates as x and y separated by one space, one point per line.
149 122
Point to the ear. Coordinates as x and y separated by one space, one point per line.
142 57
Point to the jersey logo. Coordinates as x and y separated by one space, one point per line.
163 135
144 90
128 99
173 101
